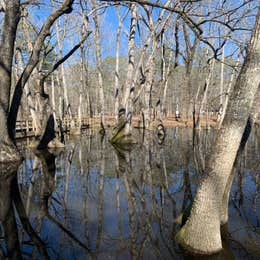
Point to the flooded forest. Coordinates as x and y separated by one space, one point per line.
129 129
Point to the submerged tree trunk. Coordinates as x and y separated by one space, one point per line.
121 133
201 233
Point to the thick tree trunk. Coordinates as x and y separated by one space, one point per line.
47 139
8 151
65 7
11 20
201 233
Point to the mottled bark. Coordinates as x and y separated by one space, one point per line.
227 94
11 20
201 233
122 133
118 35
8 151
99 69
65 7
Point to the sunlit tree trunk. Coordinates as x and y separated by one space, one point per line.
149 74
118 35
122 133
31 102
62 69
221 87
8 34
227 94
53 102
201 233
203 103
65 7
186 93
99 69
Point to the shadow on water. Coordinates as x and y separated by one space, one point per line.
96 200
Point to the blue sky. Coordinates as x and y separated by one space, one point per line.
109 24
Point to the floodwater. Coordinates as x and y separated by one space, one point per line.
93 200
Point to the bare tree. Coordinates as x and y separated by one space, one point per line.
201 233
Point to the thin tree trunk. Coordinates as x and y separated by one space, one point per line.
221 89
121 133
62 69
99 69
118 34
31 103
203 103
227 96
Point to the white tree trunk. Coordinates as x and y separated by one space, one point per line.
201 233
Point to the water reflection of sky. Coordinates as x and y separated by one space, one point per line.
123 204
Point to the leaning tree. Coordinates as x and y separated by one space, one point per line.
9 106
201 233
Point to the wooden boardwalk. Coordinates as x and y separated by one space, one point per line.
25 128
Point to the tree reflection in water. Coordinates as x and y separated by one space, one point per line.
96 200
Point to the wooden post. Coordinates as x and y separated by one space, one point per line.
27 127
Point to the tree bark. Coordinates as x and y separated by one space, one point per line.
99 69
31 103
201 233
11 20
121 133
66 7
8 151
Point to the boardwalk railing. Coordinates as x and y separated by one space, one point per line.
25 128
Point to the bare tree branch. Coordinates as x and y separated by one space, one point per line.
65 8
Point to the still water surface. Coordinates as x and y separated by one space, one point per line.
93 200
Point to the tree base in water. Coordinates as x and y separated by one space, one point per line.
123 140
121 135
180 237
53 144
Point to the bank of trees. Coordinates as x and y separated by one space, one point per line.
158 59
152 60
